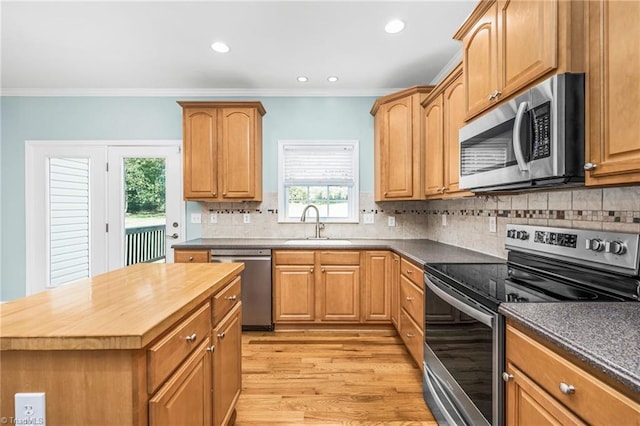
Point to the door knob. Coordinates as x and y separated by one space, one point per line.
174 236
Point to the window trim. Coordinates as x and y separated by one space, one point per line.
354 191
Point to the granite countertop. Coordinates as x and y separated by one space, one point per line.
605 335
420 251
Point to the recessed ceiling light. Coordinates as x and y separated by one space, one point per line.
302 79
394 26
332 79
220 47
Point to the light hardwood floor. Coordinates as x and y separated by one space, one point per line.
335 378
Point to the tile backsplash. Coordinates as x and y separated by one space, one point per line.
467 219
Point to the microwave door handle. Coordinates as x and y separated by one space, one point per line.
485 319
517 146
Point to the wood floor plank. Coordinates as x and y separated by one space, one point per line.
337 378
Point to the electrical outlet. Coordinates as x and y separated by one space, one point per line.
30 409
213 218
246 218
391 221
444 220
368 218
196 218
492 224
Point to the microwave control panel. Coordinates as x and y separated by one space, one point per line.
540 120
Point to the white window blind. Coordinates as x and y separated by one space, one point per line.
69 219
308 164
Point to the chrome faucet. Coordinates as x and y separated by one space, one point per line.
319 225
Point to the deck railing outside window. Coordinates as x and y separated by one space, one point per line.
145 244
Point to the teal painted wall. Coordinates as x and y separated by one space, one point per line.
151 118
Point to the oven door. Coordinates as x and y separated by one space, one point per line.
463 357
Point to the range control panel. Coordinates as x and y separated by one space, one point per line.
614 251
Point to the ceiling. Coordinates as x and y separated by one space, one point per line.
163 47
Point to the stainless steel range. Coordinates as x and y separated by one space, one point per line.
464 333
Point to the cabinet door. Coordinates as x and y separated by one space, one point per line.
238 153
227 365
527 42
377 286
397 150
340 293
185 399
479 52
433 144
191 256
395 290
613 92
294 294
200 153
453 121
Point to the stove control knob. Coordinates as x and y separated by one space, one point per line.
522 235
615 247
595 244
511 233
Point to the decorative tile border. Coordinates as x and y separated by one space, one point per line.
584 215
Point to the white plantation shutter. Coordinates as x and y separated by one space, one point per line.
311 164
69 235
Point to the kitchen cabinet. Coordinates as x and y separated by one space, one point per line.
378 271
191 256
398 145
339 285
227 366
412 309
544 386
222 151
294 286
507 45
443 118
613 93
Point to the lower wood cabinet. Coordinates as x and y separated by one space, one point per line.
411 323
544 387
294 286
378 271
227 366
395 290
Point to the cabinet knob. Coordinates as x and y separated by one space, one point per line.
567 389
411 335
322 270
191 339
507 377
232 297
215 194
211 349
498 94
590 166
409 272
190 258
385 193
311 270
409 299
224 194
221 335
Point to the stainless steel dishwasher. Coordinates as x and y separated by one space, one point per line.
256 284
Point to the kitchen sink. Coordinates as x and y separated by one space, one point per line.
316 242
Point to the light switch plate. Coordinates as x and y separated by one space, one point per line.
492 224
246 218
213 218
391 221
367 218
196 218
444 220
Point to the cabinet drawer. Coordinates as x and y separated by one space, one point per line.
167 354
293 257
339 257
412 272
225 299
592 400
191 256
412 300
412 336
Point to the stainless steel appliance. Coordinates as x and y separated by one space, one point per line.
256 285
534 140
464 332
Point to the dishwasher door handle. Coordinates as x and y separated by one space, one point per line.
228 259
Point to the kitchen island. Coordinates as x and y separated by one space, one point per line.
145 344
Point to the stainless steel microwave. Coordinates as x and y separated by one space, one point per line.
535 140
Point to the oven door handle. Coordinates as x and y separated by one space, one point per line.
476 314
517 145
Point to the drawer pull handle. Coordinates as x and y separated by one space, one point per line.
211 349
190 258
232 297
409 299
567 389
507 377
221 335
192 338
409 272
411 335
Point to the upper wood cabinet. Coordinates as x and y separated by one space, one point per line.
509 44
443 117
222 143
397 145
613 93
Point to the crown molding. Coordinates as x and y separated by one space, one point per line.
143 92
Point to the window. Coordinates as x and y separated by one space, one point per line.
322 173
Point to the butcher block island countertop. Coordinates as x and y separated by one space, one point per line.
123 309
149 344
